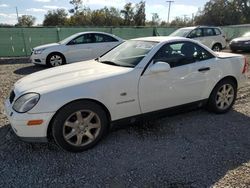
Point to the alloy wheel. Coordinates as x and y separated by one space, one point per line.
81 128
225 96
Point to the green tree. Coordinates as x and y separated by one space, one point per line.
224 12
81 18
98 17
128 14
112 16
139 15
26 20
55 17
77 6
243 6
181 22
155 20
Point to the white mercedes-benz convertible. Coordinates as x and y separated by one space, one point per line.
77 103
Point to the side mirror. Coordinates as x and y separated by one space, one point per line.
160 67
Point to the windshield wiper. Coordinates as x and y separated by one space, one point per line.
116 64
110 63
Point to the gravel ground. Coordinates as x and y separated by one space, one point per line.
193 149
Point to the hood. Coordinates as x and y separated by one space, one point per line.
46 46
241 39
67 76
225 55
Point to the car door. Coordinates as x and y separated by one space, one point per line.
80 48
184 83
103 43
209 37
197 34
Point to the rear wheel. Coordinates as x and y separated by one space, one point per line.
55 59
223 96
79 126
217 47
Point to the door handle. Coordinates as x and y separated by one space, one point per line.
204 69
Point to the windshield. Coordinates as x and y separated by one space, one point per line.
181 33
66 40
246 34
128 54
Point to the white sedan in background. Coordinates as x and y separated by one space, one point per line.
141 77
78 47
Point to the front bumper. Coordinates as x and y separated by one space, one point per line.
38 59
239 46
18 121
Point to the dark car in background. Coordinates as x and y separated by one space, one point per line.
241 43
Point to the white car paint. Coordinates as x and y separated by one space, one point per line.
209 41
146 91
75 52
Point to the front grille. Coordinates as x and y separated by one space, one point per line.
12 96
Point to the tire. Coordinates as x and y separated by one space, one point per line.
79 126
217 47
222 97
55 59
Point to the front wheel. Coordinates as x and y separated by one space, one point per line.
55 59
79 126
223 96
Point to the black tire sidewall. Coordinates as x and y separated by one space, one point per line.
212 99
65 112
217 45
49 57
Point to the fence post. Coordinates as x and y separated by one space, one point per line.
57 34
24 42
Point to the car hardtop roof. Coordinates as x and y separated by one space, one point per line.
199 26
88 32
162 39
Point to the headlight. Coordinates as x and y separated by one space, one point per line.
39 51
247 42
26 102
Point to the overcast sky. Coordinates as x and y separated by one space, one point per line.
38 8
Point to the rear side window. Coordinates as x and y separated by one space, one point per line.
83 39
209 32
217 31
104 38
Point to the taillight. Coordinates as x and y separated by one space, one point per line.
245 68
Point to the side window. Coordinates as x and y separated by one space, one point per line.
217 31
83 39
181 53
104 38
196 33
208 32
